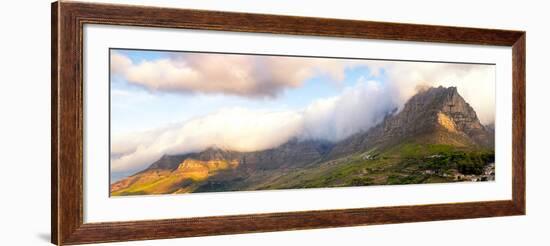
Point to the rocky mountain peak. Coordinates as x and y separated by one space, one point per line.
431 110
451 105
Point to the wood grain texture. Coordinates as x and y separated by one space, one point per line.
147 230
261 23
518 123
68 19
67 122
54 125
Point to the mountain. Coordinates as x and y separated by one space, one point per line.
439 115
436 137
294 152
212 161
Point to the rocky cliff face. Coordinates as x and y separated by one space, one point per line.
465 118
441 111
434 109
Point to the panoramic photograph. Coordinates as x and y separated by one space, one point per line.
192 122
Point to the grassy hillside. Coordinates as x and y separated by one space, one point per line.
186 178
405 163
409 162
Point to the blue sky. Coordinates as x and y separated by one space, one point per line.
135 108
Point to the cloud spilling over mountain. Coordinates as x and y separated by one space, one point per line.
356 109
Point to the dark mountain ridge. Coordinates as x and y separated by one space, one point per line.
294 152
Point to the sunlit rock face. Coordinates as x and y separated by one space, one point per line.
435 111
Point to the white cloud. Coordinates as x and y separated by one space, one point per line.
233 128
242 75
357 108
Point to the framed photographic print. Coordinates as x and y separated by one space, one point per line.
177 123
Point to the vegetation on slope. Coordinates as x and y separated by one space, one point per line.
406 163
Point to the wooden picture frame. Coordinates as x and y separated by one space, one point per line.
68 20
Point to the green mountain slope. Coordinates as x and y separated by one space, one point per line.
410 162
